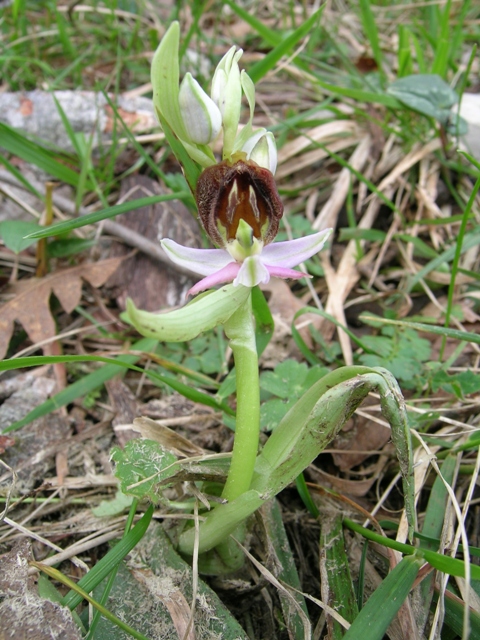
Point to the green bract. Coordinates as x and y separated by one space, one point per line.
203 313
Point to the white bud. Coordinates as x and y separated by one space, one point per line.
227 95
262 149
200 114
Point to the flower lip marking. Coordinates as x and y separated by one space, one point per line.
227 193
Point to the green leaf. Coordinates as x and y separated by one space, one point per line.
67 247
166 570
104 566
143 463
426 93
371 31
203 313
401 351
94 380
13 234
110 212
261 68
383 605
33 153
341 596
456 334
296 617
165 80
460 384
289 380
115 507
264 324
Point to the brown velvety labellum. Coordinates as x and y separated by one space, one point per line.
227 193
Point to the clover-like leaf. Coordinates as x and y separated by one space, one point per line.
141 466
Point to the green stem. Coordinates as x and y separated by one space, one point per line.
240 331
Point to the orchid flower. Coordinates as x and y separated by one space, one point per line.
239 207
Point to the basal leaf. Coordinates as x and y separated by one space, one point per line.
426 93
13 234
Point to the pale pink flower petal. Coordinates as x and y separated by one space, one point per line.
282 272
204 262
227 274
292 252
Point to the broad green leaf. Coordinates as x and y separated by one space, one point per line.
109 508
426 93
264 324
303 433
173 580
13 234
296 617
166 79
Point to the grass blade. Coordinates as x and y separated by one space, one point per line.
449 565
94 380
383 605
110 212
442 52
455 334
261 68
104 566
60 577
16 143
371 31
287 573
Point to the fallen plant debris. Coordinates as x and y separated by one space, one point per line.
29 300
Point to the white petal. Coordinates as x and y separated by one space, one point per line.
293 252
204 262
252 272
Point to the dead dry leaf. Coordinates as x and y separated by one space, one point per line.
168 438
30 304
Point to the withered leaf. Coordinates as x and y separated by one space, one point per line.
30 302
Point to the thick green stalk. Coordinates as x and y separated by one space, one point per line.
240 331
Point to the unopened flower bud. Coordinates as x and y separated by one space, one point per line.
227 95
200 114
261 148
